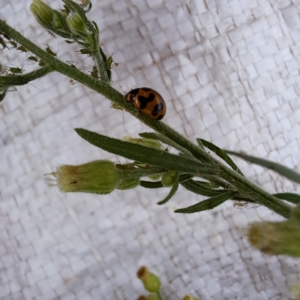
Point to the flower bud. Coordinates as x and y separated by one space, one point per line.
42 12
77 25
169 178
57 22
151 282
155 176
128 183
144 142
276 238
97 177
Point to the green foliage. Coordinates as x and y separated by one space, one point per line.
191 165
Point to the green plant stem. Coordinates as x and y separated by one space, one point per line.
100 63
243 186
16 79
97 55
249 190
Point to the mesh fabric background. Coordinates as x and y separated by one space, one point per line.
229 72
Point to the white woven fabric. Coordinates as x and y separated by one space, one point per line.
229 72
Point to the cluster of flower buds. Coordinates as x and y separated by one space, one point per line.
70 23
152 284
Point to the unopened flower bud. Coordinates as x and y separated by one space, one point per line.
128 183
144 142
77 25
97 177
155 176
169 178
42 12
276 238
151 282
57 19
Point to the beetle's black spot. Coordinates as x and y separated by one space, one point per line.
160 117
157 108
144 101
146 89
130 96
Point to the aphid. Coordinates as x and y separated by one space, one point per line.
148 102
116 106
14 44
51 34
73 66
22 48
48 50
85 51
32 58
42 63
15 70
95 73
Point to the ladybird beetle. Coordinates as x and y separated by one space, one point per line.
148 102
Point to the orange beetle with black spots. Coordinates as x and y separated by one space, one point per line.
148 102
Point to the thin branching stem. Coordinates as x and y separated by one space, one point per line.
21 79
243 186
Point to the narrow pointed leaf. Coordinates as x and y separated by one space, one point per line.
158 184
153 135
151 184
148 155
221 153
171 193
201 188
290 197
206 204
2 94
165 140
185 177
279 168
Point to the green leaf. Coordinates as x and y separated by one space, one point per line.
165 140
171 193
206 204
151 184
158 184
185 177
148 155
278 168
221 153
201 187
290 197
3 94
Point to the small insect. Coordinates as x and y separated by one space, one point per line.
15 70
148 102
33 58
95 73
22 49
48 50
14 44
